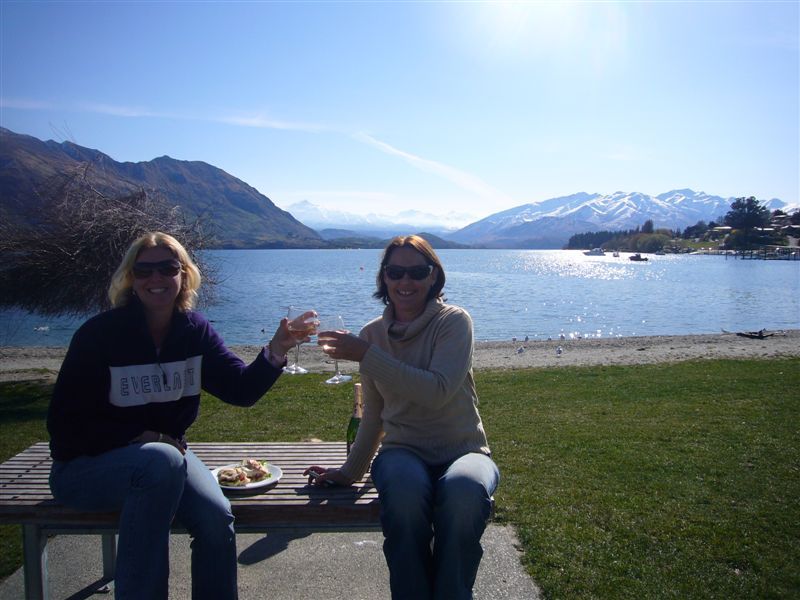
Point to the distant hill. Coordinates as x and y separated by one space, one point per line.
332 224
441 244
240 216
349 239
550 224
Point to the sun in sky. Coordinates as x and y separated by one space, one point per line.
543 31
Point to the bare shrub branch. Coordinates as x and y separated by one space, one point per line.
60 260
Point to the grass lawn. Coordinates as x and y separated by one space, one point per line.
656 481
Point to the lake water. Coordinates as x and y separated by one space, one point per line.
509 293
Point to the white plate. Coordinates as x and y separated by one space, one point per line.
256 486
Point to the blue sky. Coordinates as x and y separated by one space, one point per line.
465 107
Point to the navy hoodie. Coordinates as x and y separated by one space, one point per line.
114 385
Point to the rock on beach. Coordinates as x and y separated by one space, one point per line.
25 363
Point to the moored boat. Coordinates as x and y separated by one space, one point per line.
595 252
637 257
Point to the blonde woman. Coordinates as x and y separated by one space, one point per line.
128 390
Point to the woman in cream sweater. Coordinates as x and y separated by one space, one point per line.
433 472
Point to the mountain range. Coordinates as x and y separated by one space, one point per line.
546 224
242 217
549 224
239 216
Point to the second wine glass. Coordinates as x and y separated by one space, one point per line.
335 323
302 323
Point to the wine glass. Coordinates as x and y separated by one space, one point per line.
300 326
332 324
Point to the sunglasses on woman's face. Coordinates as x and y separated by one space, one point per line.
167 268
417 273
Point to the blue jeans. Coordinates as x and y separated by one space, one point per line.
150 484
448 505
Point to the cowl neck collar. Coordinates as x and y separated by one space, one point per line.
406 331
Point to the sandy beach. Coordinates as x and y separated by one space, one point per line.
24 363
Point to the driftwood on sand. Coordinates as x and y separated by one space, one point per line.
760 334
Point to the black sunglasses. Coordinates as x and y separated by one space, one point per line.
167 268
416 273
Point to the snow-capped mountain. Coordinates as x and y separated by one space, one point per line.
550 223
545 224
376 225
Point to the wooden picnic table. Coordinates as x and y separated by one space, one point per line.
25 499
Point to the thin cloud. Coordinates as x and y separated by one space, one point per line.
261 122
137 112
24 104
121 111
254 121
465 181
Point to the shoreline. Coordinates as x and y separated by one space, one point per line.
43 362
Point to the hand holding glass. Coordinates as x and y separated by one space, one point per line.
333 324
302 324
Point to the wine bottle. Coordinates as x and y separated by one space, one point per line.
355 418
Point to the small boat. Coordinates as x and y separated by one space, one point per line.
595 252
616 254
637 257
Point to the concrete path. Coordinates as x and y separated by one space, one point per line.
286 566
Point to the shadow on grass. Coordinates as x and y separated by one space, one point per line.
22 401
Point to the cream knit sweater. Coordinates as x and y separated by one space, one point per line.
418 389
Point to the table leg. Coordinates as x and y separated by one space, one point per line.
109 556
34 550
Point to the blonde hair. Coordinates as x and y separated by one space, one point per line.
121 289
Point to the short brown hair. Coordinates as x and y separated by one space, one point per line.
121 288
422 246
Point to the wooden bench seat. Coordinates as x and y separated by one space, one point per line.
25 499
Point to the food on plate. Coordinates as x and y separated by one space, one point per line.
232 476
249 471
256 470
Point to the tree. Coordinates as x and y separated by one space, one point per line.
648 226
746 214
695 231
62 262
649 242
